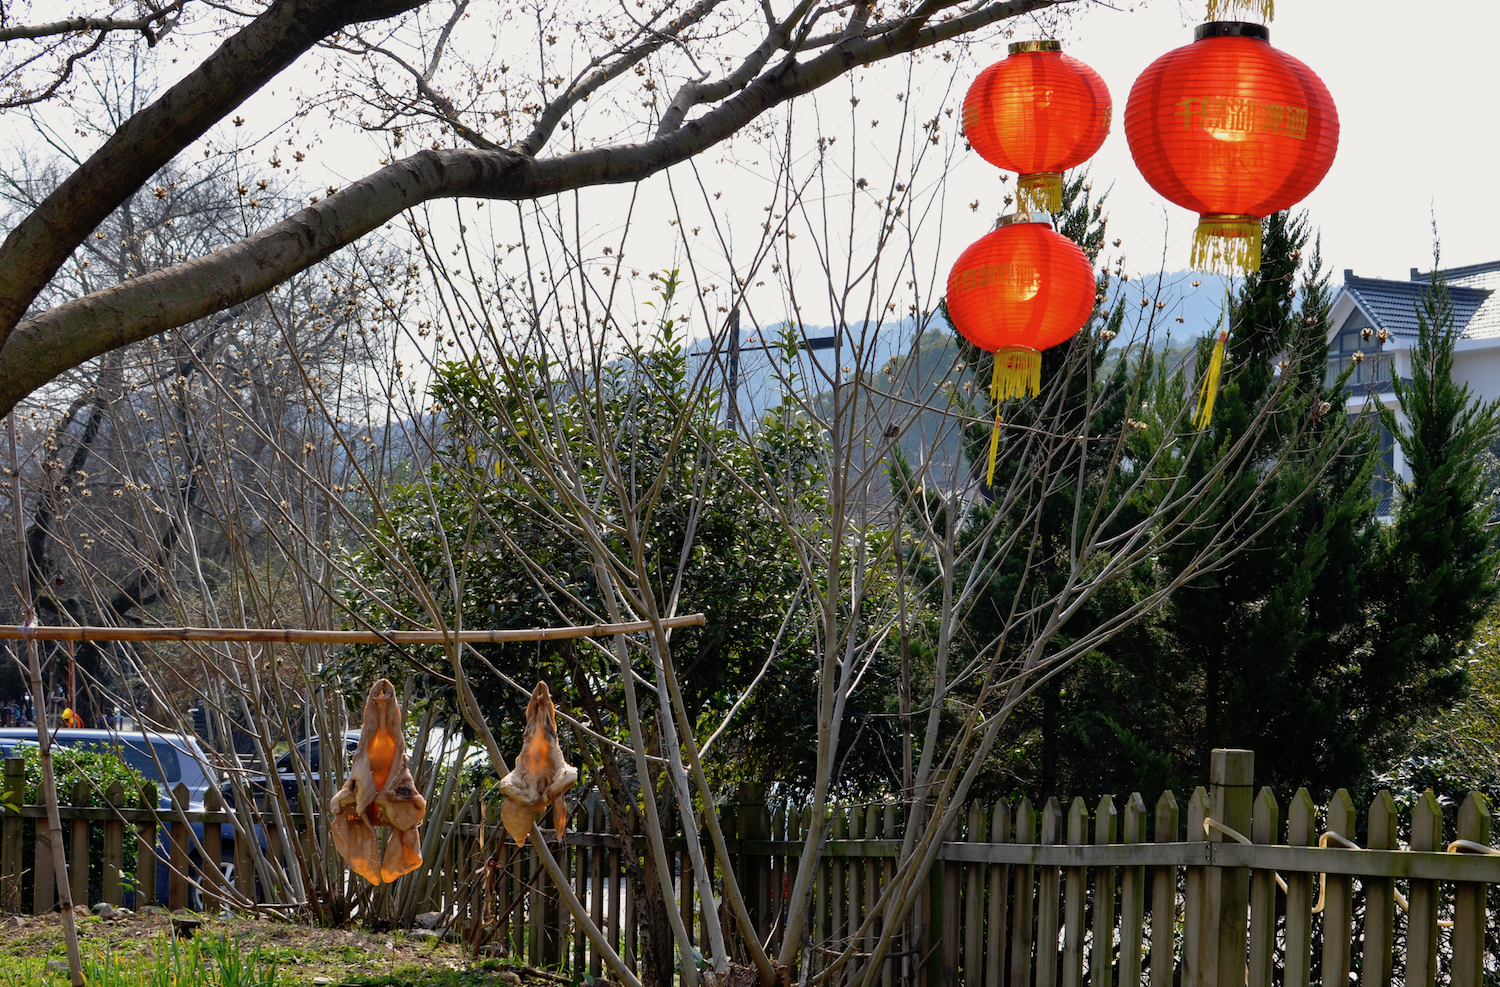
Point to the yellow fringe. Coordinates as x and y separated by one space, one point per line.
1208 390
1040 191
1226 246
1220 10
1018 373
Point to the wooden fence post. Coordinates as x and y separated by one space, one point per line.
1048 901
1422 916
1132 896
1264 824
1227 889
1192 897
1300 818
1102 962
1380 898
1469 899
14 793
1338 896
1164 896
1020 926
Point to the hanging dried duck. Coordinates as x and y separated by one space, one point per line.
541 776
379 792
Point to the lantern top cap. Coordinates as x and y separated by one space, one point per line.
1232 29
1040 218
1044 44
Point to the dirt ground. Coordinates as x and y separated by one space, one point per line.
305 956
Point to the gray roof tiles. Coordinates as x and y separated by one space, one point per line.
1393 304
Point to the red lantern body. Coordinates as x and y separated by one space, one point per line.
1017 291
1038 113
1234 130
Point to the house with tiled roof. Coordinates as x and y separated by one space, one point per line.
1375 328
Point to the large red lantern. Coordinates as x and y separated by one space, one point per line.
1234 130
1038 112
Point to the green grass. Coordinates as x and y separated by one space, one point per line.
207 961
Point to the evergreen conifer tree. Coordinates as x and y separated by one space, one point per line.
1435 577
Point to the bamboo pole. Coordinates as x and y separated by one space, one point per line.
292 635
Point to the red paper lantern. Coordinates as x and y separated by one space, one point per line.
1038 112
1017 291
1234 130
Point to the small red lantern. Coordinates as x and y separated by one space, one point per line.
1017 291
1234 130
1038 112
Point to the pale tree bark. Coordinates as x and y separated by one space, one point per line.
793 59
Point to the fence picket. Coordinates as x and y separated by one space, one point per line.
14 793
1380 899
973 962
1193 894
999 874
1297 961
889 829
952 883
1025 904
1469 899
1164 895
837 889
1074 900
114 849
43 890
1102 956
854 891
595 898
1132 896
1338 894
1266 820
1422 915
213 855
78 849
1049 900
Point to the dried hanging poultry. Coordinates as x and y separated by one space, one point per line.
379 792
541 776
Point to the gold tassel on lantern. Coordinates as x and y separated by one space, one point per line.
1018 373
1208 389
1040 191
1222 10
1226 245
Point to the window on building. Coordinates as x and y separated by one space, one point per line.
1374 366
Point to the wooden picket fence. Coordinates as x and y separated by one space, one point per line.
1230 890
